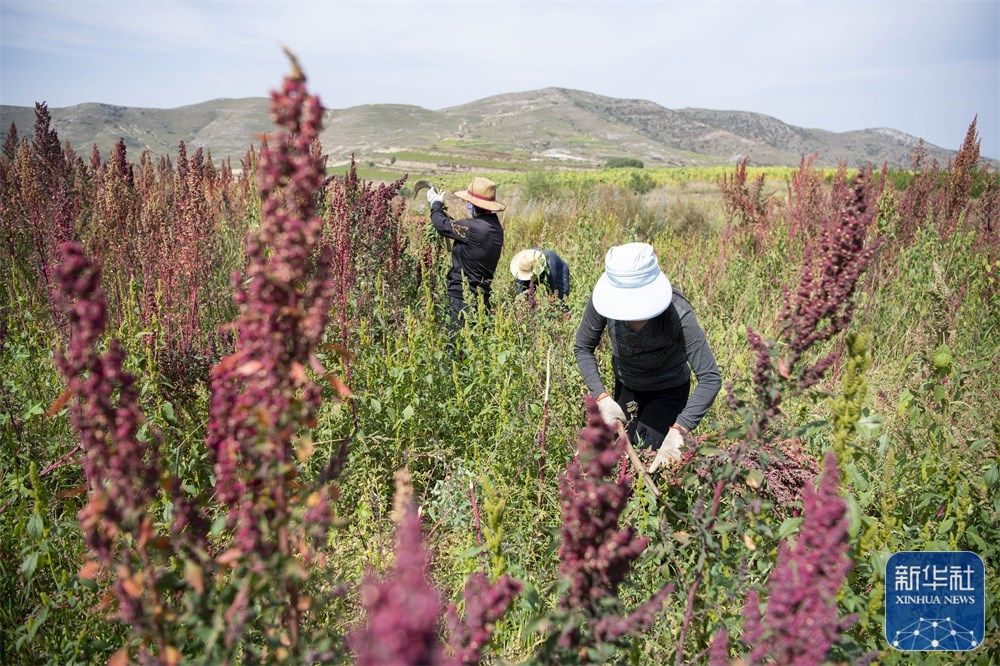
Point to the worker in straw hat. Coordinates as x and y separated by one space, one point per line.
540 268
656 342
478 241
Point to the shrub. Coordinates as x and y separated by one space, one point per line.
687 218
623 163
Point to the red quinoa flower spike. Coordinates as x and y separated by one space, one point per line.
596 553
823 303
122 474
403 609
485 603
801 622
262 394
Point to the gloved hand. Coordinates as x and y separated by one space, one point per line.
433 195
610 410
669 451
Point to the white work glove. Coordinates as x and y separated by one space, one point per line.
610 410
669 451
433 195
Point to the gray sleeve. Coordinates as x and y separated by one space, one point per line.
588 335
703 365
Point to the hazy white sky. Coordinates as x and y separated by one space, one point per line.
923 67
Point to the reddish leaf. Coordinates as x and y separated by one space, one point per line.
59 403
119 658
89 570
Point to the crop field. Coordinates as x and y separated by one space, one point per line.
236 428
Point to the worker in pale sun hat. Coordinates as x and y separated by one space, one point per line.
656 343
478 241
541 268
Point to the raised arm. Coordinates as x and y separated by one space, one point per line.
588 335
457 231
705 369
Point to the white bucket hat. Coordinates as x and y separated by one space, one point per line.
527 264
632 287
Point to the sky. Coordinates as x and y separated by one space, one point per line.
922 67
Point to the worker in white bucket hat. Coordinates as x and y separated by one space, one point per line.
656 343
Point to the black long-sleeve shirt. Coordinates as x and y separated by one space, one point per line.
478 243
653 358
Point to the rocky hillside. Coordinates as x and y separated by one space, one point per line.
552 126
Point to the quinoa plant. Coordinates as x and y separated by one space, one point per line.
597 553
745 203
38 205
365 235
819 309
404 610
263 402
263 398
801 621
954 194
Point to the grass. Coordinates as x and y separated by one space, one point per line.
927 477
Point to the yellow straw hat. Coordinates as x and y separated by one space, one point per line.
527 264
482 192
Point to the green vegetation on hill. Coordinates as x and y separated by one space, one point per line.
555 126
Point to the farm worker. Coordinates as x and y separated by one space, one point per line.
478 241
655 337
541 268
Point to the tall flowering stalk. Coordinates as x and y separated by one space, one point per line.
823 304
821 307
596 553
747 214
954 196
485 604
122 473
180 280
744 202
262 395
38 207
917 203
10 142
404 610
801 622
115 241
805 199
365 234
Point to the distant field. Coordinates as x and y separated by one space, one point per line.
573 178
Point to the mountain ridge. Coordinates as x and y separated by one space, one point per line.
545 127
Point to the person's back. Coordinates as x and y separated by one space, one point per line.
541 267
478 241
557 274
476 256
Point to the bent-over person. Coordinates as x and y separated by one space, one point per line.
656 343
542 268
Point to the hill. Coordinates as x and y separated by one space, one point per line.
539 128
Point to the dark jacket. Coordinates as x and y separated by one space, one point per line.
474 256
654 358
